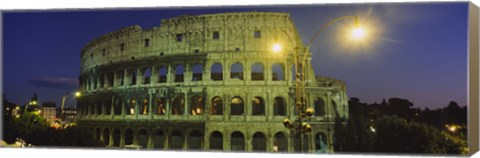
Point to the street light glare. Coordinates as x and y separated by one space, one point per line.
77 94
358 33
276 48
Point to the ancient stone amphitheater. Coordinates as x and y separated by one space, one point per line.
204 82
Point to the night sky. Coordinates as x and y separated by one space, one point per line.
416 51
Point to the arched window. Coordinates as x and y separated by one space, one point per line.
258 106
321 142
144 108
217 106
106 136
99 106
176 140
178 105
116 137
237 142
257 73
216 72
195 140
128 137
94 83
161 105
117 107
197 72
236 106
121 76
236 71
142 138
179 71
259 142
98 132
297 143
278 72
162 75
108 106
133 77
131 107
110 79
279 106
216 141
319 107
146 76
102 80
197 105
281 142
158 140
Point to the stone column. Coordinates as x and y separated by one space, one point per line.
110 140
150 102
139 76
170 74
112 104
122 138
187 104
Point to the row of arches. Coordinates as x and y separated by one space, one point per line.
177 105
177 73
214 141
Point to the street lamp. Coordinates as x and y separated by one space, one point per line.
300 126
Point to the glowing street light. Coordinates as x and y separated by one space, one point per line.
78 94
358 33
299 125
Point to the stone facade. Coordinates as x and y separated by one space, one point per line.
203 82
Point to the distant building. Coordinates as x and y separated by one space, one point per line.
49 111
70 115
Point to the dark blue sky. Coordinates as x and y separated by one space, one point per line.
416 51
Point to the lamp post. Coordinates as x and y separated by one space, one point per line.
300 125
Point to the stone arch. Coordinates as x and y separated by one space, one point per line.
130 109
98 132
133 77
158 139
195 140
280 140
320 142
108 106
117 107
116 137
147 76
257 72
144 108
197 70
319 107
162 74
128 136
216 141
160 106
106 136
99 107
258 106
197 105
176 140
278 72
217 106
297 145
216 72
237 141
259 142
236 106
179 73
279 106
236 71
142 138
178 105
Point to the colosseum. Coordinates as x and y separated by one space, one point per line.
205 82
